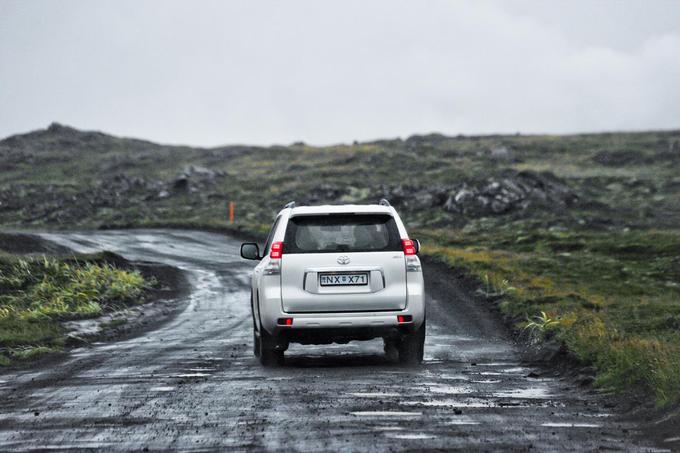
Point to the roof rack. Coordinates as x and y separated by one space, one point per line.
289 205
384 202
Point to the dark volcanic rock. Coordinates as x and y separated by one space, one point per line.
514 191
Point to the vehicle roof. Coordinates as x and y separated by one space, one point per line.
342 209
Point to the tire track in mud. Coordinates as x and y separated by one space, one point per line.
193 384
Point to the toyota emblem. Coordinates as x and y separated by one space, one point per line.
344 259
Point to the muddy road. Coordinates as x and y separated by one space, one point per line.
193 384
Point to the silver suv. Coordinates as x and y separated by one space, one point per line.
332 274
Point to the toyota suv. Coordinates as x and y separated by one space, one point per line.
333 274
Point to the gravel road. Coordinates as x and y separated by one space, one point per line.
193 384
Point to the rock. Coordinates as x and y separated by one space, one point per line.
464 196
502 153
325 193
200 172
515 191
500 206
181 183
492 189
450 204
163 194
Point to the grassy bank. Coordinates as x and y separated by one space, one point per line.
612 297
37 293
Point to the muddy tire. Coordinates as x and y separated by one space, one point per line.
268 355
412 347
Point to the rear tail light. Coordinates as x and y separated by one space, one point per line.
277 251
285 321
403 319
408 246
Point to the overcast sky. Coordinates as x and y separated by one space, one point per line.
263 72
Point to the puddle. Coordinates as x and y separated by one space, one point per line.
451 390
571 425
462 422
193 375
389 428
162 389
386 414
486 381
373 395
411 436
455 377
539 393
452 403
515 370
672 439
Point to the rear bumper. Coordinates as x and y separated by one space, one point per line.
325 328
342 325
340 334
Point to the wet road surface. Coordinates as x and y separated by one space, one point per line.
193 384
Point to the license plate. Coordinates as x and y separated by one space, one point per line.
343 279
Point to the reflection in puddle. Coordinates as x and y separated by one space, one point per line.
373 395
515 370
411 436
162 389
193 375
571 425
537 393
451 390
386 414
462 422
454 377
451 403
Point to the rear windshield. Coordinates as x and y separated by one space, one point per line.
342 233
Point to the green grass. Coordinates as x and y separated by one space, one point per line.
612 297
37 293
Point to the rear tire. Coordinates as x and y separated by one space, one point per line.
391 348
269 356
256 344
412 347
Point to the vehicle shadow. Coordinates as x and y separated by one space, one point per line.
337 361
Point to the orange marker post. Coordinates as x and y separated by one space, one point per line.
231 211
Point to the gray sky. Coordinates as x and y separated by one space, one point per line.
262 72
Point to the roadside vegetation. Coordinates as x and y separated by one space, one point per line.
578 234
612 297
37 293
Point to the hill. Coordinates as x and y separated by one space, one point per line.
63 176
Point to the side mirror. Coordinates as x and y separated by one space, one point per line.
250 251
416 244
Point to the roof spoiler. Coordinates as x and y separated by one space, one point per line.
289 205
